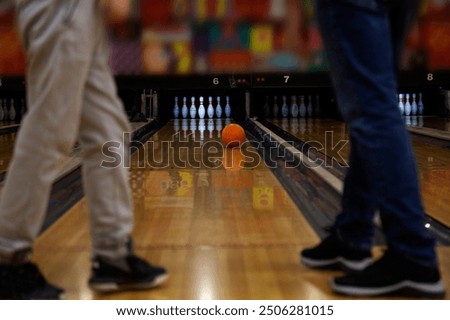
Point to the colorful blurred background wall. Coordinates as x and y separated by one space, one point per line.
213 36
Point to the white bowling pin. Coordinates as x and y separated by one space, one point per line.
176 109
12 111
413 105
193 109
5 110
210 110
218 109
227 107
184 109
309 108
401 104
201 109
302 108
420 106
284 108
294 107
407 105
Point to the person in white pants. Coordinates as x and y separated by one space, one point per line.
72 97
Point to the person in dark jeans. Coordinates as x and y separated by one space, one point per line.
364 40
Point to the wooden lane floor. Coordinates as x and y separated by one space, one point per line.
432 159
222 231
211 227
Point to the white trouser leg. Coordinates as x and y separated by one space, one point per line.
70 93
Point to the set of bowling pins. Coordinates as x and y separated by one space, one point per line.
190 127
410 104
213 109
297 106
10 113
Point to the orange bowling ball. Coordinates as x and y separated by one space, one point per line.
233 135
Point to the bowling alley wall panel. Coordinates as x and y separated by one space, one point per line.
211 36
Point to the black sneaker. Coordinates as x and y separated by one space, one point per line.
125 274
25 282
392 274
332 253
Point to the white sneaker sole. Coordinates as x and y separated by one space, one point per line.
354 265
416 288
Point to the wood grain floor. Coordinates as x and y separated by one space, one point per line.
222 233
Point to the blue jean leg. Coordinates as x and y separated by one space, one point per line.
357 35
355 227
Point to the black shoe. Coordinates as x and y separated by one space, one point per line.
392 274
128 273
25 282
332 253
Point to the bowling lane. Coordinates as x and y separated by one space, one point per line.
224 231
433 160
235 225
